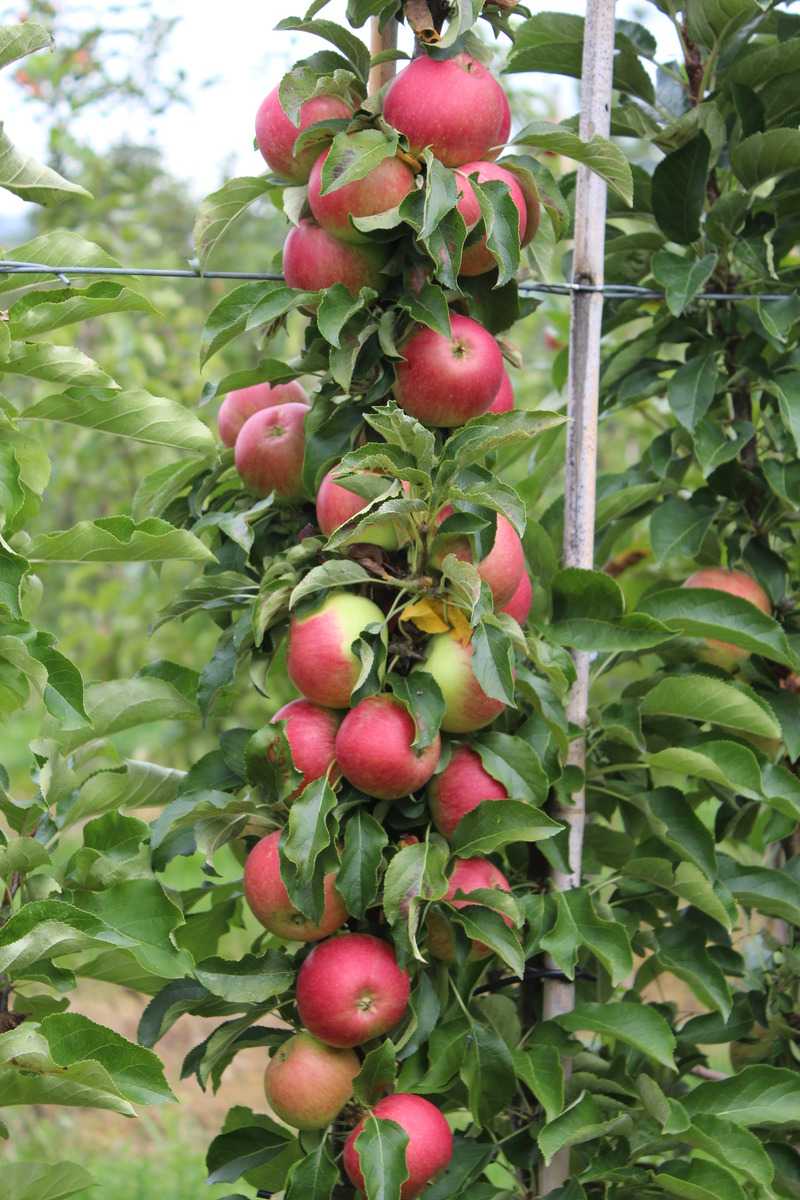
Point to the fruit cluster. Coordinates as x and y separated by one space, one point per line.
351 988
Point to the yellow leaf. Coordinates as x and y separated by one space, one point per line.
426 615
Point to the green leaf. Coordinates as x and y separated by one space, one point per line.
728 764
706 612
399 429
764 156
678 528
701 698
689 883
772 892
683 952
30 180
250 980
493 431
787 388
123 704
497 823
43 1181
350 46
135 414
501 225
493 661
674 822
487 927
692 388
56 249
119 539
419 693
17 41
679 190
636 1025
313 1177
54 364
602 156
220 210
138 1073
334 574
415 875
540 1069
710 21
582 1122
357 880
682 278
577 924
428 307
28 1075
41 312
514 762
308 834
336 308
353 155
488 1072
732 1146
698 1180
381 1148
244 1149
757 1095
377 1075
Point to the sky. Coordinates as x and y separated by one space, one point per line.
212 138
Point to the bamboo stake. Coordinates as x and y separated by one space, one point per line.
381 39
581 463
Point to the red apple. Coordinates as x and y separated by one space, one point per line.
337 504
502 568
466 705
374 751
735 583
321 662
314 260
381 189
519 606
311 734
350 989
242 403
476 258
276 134
461 786
469 875
269 901
446 381
504 400
269 451
430 1142
307 1083
454 105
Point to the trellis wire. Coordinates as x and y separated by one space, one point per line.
612 291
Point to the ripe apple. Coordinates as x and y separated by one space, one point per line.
307 1083
504 400
461 786
269 451
269 901
466 705
502 568
454 105
446 381
276 134
430 1142
321 662
374 751
311 733
519 606
337 504
469 874
350 989
314 260
381 189
736 583
477 259
243 402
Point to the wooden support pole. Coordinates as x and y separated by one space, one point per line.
581 463
381 39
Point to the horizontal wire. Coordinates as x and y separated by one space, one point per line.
614 291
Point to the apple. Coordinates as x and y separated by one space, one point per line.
307 1083
269 451
477 259
276 134
430 1142
502 568
337 504
446 381
320 661
243 402
454 105
504 400
269 901
381 189
469 874
350 989
374 750
519 606
466 705
735 583
314 260
311 733
461 786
